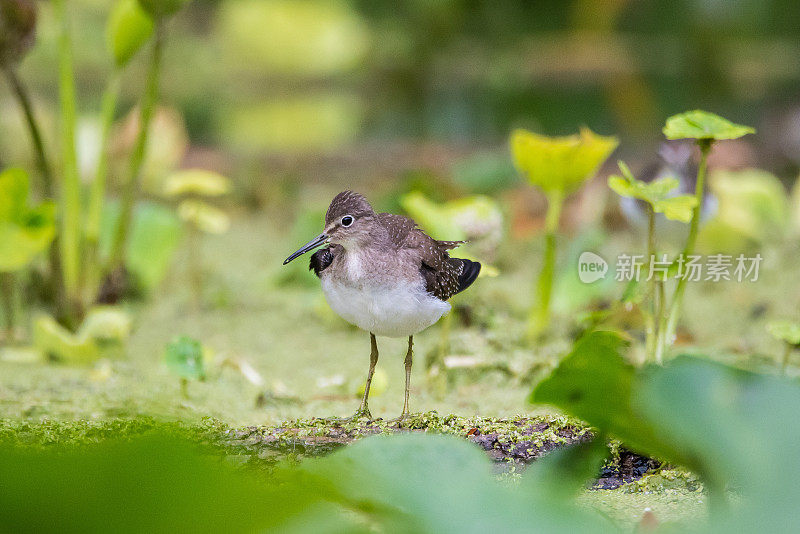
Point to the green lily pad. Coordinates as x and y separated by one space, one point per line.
656 193
699 124
25 231
184 357
560 164
785 331
129 28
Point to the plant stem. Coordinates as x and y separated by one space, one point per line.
650 322
539 316
662 322
444 338
7 291
195 265
699 194
98 190
48 189
70 191
147 108
787 352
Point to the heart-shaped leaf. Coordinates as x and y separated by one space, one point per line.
129 28
699 124
560 164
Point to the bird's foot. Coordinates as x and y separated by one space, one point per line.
405 416
361 413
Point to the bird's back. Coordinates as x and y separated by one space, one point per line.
444 276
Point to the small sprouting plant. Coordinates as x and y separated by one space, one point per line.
659 198
559 166
789 333
185 357
192 188
705 128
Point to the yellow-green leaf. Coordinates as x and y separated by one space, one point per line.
560 164
129 28
196 182
699 124
656 193
786 331
24 231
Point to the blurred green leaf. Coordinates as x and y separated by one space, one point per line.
786 331
699 124
752 203
596 384
25 231
154 483
560 164
106 324
129 28
155 236
198 182
184 357
428 483
738 430
56 341
657 193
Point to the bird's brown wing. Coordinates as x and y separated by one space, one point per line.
440 272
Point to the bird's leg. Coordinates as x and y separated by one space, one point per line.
408 376
363 410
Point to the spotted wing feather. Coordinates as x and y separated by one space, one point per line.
444 276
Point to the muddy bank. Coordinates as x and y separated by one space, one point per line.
509 442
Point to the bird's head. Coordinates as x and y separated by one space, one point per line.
348 222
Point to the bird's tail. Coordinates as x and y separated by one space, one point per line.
469 272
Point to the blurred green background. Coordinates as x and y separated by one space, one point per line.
257 77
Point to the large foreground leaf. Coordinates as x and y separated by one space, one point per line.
422 483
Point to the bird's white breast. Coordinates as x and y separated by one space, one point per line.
380 303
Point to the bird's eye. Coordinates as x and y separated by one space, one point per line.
347 220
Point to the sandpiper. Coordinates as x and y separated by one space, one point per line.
383 274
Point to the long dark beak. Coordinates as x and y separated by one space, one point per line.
311 245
